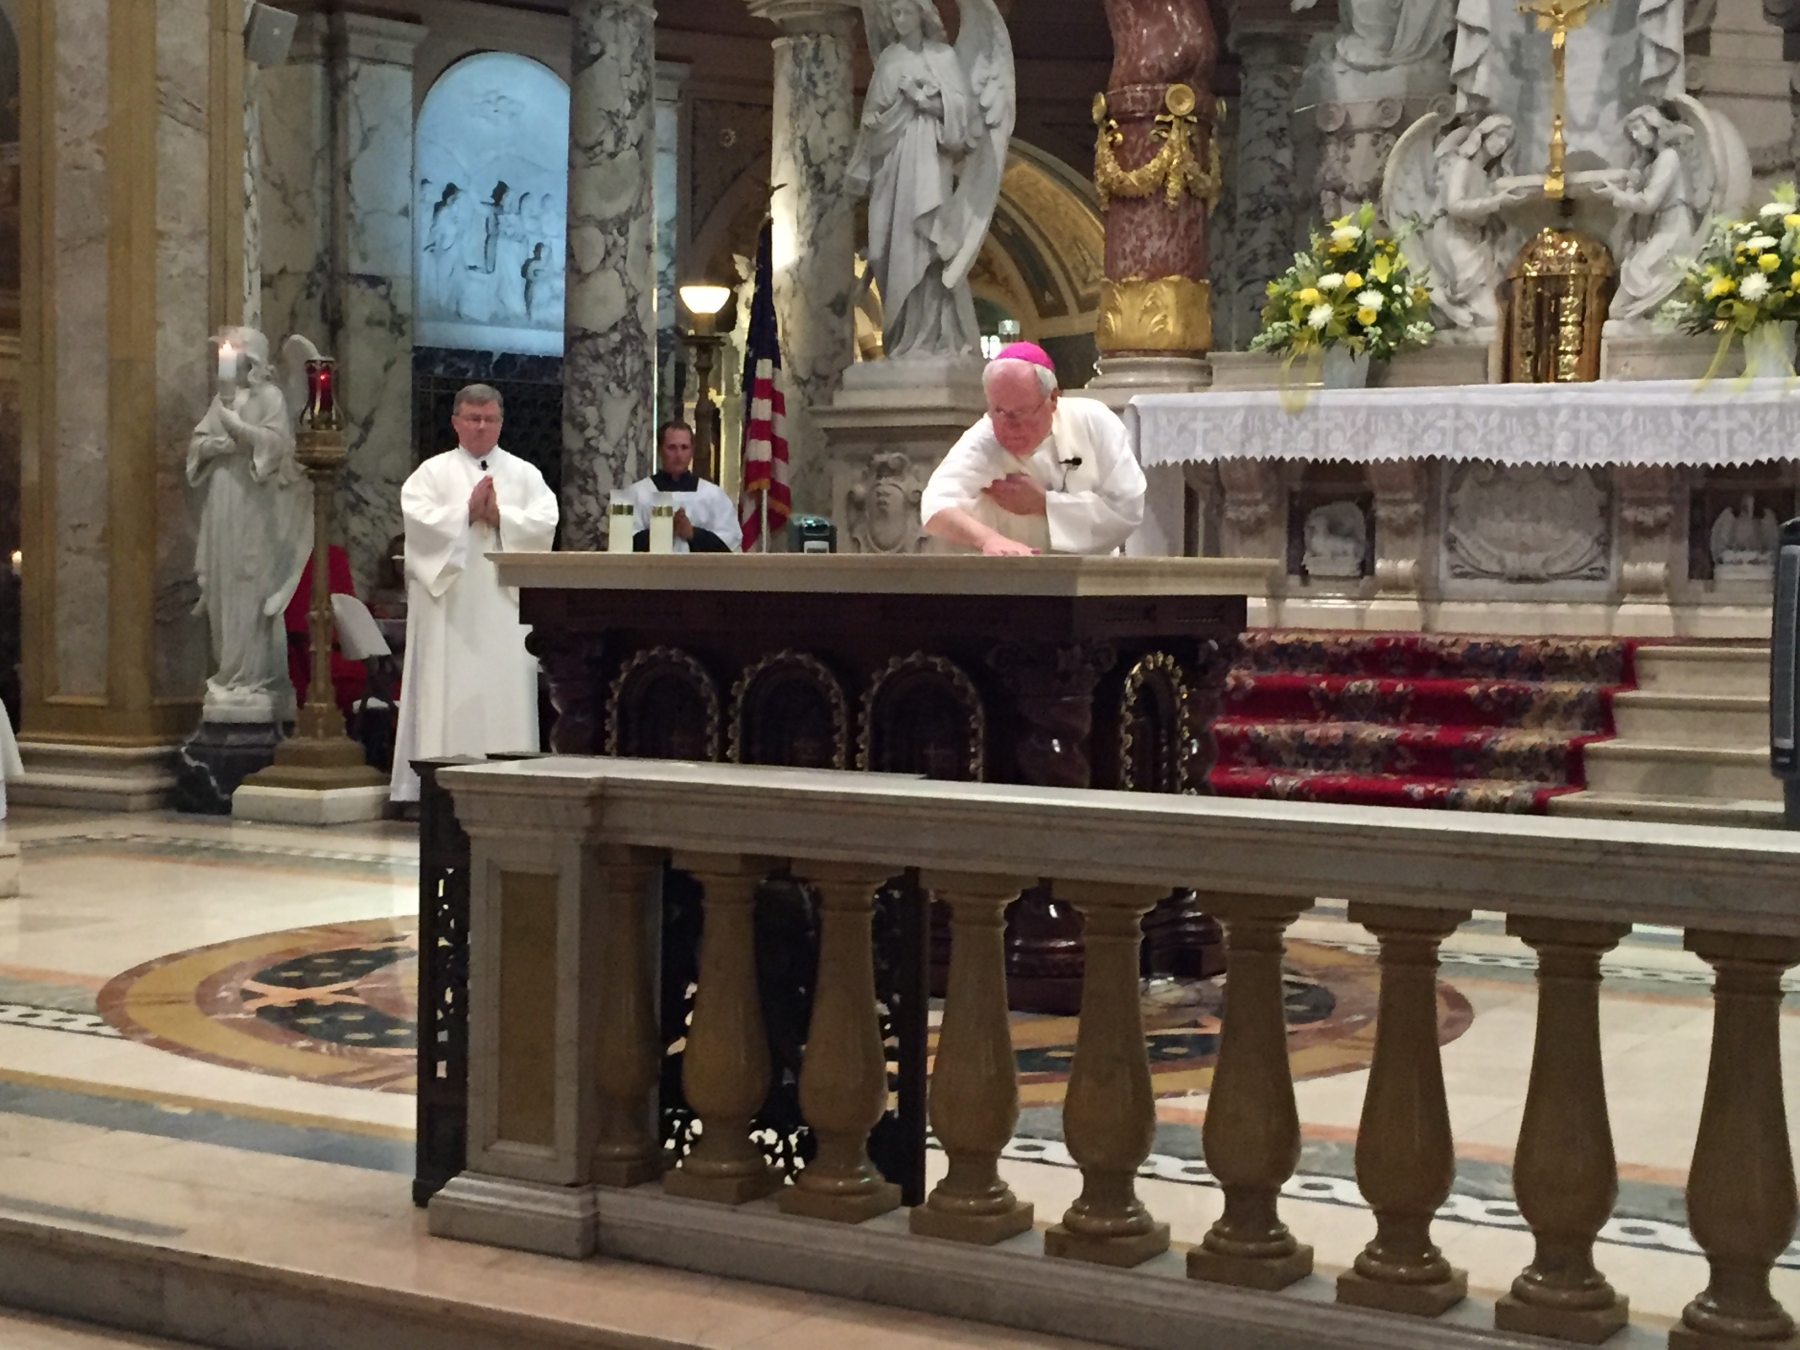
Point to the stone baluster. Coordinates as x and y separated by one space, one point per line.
843 1079
1740 1192
609 366
975 1079
1109 1113
725 1071
628 1048
1563 1173
1252 1130
1405 1158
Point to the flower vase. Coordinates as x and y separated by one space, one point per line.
1341 368
1769 351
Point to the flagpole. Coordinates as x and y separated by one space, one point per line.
762 505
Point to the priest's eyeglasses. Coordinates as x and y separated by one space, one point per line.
1014 416
480 419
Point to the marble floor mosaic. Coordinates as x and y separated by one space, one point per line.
164 1034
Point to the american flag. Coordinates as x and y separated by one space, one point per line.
765 409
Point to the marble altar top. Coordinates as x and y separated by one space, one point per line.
1719 422
871 574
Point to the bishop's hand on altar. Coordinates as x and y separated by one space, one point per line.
1037 474
469 686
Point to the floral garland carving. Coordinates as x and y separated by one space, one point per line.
1178 690
1173 167
675 657
958 679
840 705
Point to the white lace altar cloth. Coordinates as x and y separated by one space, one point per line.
1725 422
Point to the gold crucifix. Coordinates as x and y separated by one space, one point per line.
1558 17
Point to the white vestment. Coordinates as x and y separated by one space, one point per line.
707 507
10 764
469 686
1090 507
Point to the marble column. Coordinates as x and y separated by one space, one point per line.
131 223
671 79
609 360
1270 44
1155 319
336 246
814 221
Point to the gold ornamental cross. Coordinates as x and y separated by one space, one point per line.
1557 17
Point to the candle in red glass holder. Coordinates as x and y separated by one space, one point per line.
321 402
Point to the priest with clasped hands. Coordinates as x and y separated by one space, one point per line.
706 520
469 687
1036 475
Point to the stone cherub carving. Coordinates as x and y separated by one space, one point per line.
1453 192
255 529
883 508
1337 540
935 127
1664 196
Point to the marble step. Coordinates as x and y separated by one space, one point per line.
1737 670
1725 721
1648 769
1671 810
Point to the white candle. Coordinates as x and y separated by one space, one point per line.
227 363
662 528
621 527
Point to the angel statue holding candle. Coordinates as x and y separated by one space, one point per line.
255 524
935 127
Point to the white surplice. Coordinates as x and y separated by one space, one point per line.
10 764
1093 487
469 686
707 507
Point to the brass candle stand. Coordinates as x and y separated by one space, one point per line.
319 756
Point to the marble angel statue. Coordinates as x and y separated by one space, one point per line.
935 126
1386 34
255 526
1663 200
1447 199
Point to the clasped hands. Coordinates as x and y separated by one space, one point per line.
484 507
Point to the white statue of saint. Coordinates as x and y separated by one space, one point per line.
1380 35
1663 198
1455 193
935 127
255 532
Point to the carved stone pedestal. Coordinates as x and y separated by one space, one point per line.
887 429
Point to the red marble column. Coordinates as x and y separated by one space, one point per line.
1155 301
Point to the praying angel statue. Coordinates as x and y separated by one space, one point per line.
935 128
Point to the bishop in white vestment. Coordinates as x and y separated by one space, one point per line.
469 687
706 520
1036 475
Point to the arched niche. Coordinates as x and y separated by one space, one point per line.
491 159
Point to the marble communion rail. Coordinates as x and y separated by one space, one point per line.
563 1051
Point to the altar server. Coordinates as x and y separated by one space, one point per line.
469 686
1036 475
705 519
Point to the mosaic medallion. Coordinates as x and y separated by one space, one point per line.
332 1004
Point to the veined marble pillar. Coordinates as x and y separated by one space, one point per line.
1271 45
1155 301
814 243
609 360
132 223
671 79
337 245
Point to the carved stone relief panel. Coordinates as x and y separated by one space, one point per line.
881 506
1528 524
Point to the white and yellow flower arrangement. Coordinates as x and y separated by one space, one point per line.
1745 281
1349 288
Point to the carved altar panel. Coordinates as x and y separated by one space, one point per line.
789 709
881 506
923 714
1527 523
664 705
1153 726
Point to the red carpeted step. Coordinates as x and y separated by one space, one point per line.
1385 790
1605 661
1414 751
1567 704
